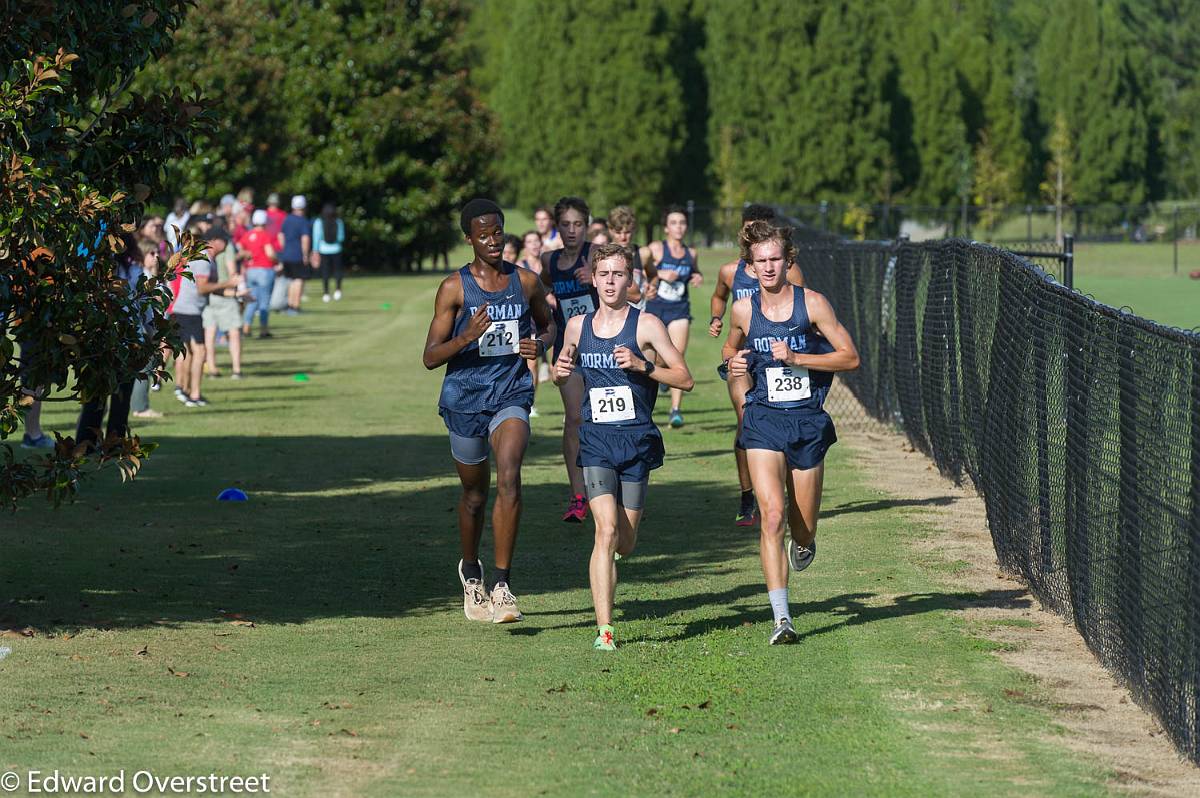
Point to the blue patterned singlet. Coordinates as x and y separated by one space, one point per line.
490 372
777 385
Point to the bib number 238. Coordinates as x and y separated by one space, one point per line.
610 405
787 384
502 338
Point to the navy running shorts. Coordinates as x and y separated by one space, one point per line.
633 452
668 312
469 432
802 435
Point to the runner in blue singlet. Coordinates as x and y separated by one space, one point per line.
677 268
622 224
483 333
739 280
613 350
787 341
567 278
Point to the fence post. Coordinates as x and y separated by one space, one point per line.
1069 261
824 216
1029 226
691 214
1175 237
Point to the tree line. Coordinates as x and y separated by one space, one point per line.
400 109
795 101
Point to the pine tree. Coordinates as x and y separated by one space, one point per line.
1087 72
929 79
595 109
1006 142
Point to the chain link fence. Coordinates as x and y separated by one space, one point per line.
1077 423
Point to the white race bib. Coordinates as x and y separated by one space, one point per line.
502 338
787 384
671 292
577 306
612 404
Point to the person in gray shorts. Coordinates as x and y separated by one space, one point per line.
223 313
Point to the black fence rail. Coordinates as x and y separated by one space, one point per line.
1078 424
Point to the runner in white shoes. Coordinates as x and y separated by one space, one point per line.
788 342
483 332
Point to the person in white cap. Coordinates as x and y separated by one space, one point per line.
259 245
297 251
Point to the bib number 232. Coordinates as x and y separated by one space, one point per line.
610 405
787 384
502 338
577 306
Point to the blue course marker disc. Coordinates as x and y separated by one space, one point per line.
232 495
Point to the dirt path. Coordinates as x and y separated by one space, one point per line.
1098 712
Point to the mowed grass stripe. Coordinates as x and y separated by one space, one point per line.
361 677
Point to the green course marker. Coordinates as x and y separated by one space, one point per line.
386 306
301 377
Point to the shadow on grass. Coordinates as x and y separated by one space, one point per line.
366 527
335 527
851 609
881 505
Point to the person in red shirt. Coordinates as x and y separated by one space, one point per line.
260 246
275 217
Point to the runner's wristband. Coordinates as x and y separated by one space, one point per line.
714 318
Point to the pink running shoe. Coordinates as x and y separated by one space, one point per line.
576 510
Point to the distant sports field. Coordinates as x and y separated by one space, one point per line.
316 632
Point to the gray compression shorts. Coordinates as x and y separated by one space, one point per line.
601 481
471 451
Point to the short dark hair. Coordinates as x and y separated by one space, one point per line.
673 209
565 204
476 208
517 243
755 212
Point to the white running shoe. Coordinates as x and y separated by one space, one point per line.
783 633
325 298
476 605
337 295
504 605
800 557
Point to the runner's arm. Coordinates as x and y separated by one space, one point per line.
845 355
539 308
439 346
547 283
564 366
738 321
795 276
653 333
720 298
696 278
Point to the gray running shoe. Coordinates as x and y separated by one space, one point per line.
504 605
476 605
783 633
800 557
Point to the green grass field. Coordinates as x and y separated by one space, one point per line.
316 634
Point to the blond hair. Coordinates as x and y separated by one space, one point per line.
760 232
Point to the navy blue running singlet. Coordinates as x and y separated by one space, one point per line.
676 292
490 372
775 384
614 397
574 298
743 284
